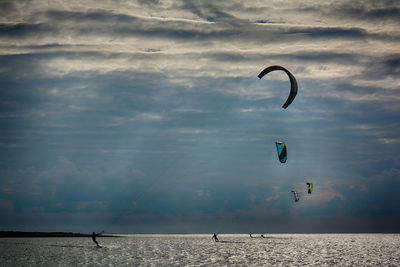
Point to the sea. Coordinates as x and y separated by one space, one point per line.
201 250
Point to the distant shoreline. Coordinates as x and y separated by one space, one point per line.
4 234
47 234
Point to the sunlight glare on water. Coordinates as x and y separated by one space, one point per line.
200 250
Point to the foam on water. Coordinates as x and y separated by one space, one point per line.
200 250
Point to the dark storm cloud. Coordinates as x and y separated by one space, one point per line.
387 11
352 33
208 11
149 2
90 16
125 26
386 66
378 198
7 7
25 30
331 32
121 25
368 13
303 57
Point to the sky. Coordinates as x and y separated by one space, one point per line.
148 116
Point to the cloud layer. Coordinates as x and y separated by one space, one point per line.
152 111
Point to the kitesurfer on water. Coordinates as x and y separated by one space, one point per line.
215 238
94 239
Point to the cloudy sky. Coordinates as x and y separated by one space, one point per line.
148 116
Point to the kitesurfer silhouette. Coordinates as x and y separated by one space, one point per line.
215 238
94 239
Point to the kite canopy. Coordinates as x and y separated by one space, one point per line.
282 151
296 196
293 82
310 187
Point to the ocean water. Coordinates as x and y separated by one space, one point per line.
200 250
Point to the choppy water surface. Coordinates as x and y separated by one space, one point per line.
200 250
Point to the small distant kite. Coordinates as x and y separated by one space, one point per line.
310 187
293 83
296 196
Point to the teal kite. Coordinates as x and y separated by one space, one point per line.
282 151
